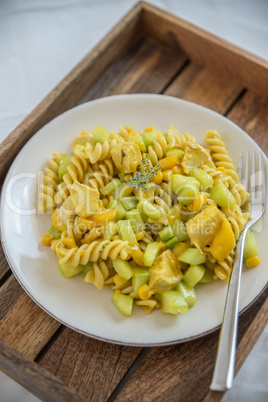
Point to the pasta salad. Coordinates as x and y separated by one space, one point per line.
150 214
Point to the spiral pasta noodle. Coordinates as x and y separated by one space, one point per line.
220 154
148 214
50 179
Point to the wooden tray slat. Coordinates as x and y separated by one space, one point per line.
105 366
209 89
145 68
206 49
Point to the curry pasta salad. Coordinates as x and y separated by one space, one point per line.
149 214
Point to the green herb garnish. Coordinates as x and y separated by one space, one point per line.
143 178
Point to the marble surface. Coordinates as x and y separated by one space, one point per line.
41 41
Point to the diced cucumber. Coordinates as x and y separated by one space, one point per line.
172 242
188 294
122 191
111 230
205 180
175 151
151 252
100 135
173 303
64 163
69 272
139 141
140 277
222 196
135 219
166 233
250 246
149 209
123 303
110 187
149 137
55 232
180 231
209 265
88 267
123 268
129 202
193 275
121 212
185 188
192 256
207 277
126 232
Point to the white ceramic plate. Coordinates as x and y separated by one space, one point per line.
73 302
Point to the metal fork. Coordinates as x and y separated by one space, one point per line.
255 182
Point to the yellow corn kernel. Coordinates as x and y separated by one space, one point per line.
105 202
252 262
149 129
169 162
57 221
177 169
47 238
128 128
118 291
134 133
118 280
173 217
140 235
166 174
143 292
198 203
157 179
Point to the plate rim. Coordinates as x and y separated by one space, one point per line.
4 243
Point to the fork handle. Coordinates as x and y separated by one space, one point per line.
225 362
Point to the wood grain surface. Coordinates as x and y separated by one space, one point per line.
206 49
142 54
34 378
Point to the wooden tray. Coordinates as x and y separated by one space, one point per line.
149 51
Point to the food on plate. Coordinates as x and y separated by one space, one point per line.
151 214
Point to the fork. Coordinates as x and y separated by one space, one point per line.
255 182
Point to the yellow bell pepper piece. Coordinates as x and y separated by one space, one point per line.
137 254
166 174
169 162
224 241
104 216
149 129
47 238
177 169
118 280
252 262
140 235
158 178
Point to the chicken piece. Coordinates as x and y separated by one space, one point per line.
204 226
165 273
210 229
194 156
84 199
126 156
82 139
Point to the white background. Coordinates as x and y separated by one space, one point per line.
41 41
